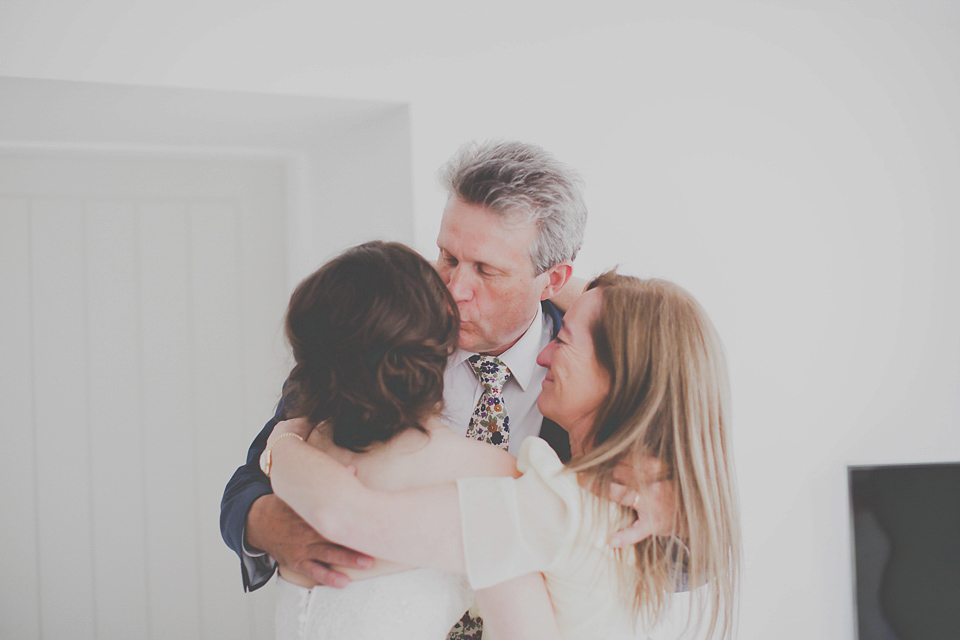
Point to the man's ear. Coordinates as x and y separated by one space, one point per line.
557 277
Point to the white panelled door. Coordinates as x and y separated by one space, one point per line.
141 302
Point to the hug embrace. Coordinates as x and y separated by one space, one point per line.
385 521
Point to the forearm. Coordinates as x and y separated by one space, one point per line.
419 527
262 512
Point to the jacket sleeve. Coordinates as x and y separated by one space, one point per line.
550 431
247 484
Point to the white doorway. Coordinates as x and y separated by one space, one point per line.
143 287
142 300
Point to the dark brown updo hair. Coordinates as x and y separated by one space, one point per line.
371 332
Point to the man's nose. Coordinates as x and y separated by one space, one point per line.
459 284
546 356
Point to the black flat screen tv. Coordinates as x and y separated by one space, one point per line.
906 549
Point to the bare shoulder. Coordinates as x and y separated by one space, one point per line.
414 458
470 458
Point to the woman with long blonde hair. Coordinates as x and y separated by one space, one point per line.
637 371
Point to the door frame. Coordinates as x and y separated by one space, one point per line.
332 149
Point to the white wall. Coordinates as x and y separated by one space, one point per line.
795 166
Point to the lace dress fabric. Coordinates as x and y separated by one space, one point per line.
419 604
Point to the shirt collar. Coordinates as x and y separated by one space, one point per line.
521 358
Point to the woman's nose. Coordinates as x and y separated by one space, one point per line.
546 356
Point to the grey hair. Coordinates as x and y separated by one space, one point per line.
523 181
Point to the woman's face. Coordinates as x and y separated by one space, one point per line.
576 384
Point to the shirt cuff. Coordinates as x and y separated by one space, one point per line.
247 549
258 564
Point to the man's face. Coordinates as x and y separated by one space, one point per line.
486 265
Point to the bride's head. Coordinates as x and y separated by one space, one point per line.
371 332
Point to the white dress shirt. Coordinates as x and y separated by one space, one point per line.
462 388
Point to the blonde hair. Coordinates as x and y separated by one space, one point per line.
668 399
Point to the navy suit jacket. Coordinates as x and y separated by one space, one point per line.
248 482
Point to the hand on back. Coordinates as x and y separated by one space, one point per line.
275 528
649 492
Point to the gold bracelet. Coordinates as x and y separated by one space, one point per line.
266 458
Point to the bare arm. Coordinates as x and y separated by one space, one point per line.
419 527
253 520
274 527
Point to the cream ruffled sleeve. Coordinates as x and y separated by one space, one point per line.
514 526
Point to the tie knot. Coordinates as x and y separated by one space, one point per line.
491 371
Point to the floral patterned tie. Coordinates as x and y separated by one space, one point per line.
489 423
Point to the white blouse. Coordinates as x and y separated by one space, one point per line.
545 521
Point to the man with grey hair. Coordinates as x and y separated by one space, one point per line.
513 223
523 182
512 226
